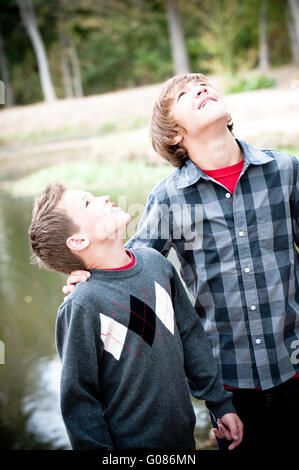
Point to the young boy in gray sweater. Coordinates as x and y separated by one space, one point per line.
129 338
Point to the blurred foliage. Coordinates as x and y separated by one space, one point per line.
125 43
237 84
94 176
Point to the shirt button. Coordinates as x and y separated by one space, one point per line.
228 195
247 270
258 341
253 307
241 234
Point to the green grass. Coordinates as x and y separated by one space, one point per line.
119 178
237 84
290 150
101 178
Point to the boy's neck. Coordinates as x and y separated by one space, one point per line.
108 255
213 151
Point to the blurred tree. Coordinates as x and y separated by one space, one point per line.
29 20
65 61
278 40
292 37
69 56
229 33
112 44
176 34
5 75
293 26
263 44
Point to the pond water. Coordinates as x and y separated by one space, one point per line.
29 366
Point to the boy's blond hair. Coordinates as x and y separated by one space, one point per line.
49 230
163 128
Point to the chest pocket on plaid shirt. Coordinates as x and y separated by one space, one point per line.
270 236
187 231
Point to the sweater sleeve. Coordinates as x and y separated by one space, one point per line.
80 350
201 369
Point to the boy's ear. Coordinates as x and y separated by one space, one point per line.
77 242
176 140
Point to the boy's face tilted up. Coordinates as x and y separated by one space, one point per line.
97 218
195 107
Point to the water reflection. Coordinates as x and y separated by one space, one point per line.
29 380
28 302
42 404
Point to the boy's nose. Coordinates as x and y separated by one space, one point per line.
202 89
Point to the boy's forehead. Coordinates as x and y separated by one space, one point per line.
72 195
191 83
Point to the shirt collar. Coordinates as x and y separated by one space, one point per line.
189 173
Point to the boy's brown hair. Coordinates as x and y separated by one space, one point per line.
50 228
163 128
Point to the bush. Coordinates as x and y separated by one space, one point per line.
237 84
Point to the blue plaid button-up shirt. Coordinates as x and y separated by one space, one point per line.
238 259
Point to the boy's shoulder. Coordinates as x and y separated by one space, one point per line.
151 256
84 297
163 191
283 158
87 295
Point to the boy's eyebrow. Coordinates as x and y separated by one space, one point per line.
181 87
85 195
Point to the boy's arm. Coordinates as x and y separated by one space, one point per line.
80 349
154 227
295 202
200 365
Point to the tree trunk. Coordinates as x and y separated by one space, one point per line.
294 28
64 52
177 41
29 20
293 39
66 72
76 69
70 62
8 94
263 45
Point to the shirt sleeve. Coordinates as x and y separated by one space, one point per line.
295 202
80 350
154 227
201 369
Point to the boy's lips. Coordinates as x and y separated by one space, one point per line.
205 100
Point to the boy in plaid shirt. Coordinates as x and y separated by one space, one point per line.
232 213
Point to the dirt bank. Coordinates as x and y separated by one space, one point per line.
114 125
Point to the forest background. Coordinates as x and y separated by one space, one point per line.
81 76
62 48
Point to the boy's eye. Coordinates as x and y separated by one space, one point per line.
86 203
181 94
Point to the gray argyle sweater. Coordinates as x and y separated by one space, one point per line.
129 340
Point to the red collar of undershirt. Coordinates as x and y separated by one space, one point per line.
127 266
227 171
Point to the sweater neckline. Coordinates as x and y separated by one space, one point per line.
121 273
